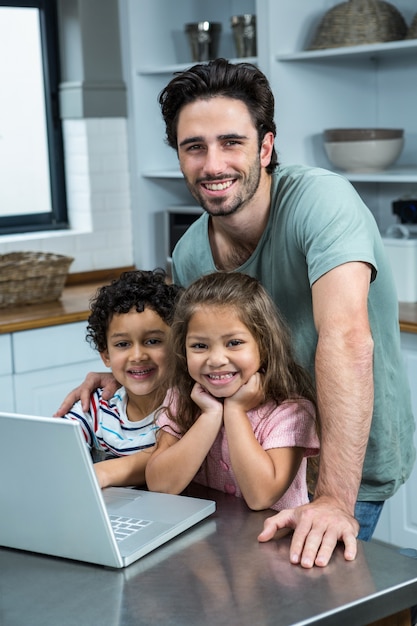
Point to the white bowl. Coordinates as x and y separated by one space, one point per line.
361 154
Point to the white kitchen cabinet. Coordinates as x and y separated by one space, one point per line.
6 369
398 522
41 392
49 347
44 364
373 85
6 394
6 361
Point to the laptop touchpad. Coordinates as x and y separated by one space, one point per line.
115 495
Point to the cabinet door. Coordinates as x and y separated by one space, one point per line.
6 394
6 366
53 346
48 364
41 392
6 369
398 523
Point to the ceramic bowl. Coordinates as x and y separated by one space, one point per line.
363 149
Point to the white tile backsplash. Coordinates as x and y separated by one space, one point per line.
98 197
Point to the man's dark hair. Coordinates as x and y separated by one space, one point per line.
137 289
241 81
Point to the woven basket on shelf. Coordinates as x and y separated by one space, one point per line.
32 277
359 22
412 31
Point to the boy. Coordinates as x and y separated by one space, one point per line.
129 325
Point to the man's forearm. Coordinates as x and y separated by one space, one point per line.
344 379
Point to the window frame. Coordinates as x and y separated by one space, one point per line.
57 218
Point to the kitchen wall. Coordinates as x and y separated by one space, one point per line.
95 144
99 204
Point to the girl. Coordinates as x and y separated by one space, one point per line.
240 416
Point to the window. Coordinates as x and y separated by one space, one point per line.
32 184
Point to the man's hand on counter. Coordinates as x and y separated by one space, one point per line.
93 381
318 527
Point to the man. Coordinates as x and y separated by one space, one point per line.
314 245
308 237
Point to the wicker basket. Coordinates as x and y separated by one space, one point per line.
359 22
32 277
412 31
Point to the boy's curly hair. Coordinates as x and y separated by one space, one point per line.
138 289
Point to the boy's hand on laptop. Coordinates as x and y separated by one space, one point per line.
93 381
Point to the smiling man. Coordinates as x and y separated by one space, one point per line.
308 237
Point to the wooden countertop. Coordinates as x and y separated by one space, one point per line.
73 305
408 317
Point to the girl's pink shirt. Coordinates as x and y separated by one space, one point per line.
287 425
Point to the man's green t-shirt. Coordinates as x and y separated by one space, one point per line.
317 221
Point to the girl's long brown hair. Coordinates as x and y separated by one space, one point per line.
283 378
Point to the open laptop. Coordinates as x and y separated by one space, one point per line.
51 501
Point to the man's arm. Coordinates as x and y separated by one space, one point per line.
344 380
93 381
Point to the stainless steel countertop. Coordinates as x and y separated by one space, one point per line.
215 574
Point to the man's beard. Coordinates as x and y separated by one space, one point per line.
218 207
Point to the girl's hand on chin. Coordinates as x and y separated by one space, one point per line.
204 400
249 395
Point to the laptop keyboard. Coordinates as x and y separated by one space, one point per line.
124 527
